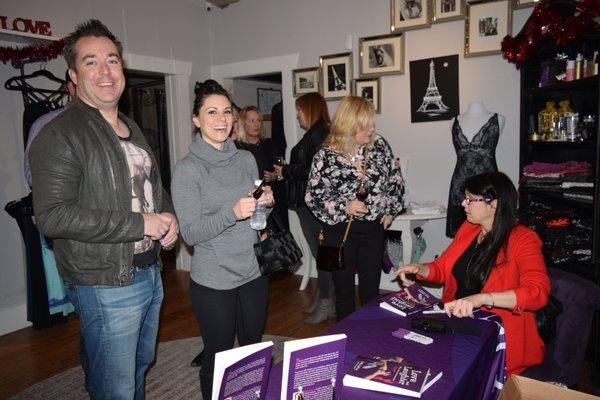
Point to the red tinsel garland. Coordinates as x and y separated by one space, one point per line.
44 51
547 21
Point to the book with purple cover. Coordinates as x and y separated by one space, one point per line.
390 376
408 301
243 372
313 368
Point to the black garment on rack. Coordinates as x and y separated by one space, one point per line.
38 310
36 101
32 112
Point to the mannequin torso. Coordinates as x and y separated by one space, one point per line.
476 117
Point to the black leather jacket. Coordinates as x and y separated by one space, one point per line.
82 196
296 173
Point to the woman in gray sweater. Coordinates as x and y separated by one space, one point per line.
210 190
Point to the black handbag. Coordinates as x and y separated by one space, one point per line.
279 250
331 258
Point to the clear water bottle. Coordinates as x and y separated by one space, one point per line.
258 220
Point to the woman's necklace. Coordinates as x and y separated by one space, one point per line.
354 157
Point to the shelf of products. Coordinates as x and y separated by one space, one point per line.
560 165
583 83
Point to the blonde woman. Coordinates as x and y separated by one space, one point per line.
252 136
337 172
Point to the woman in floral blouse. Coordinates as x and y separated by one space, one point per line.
331 194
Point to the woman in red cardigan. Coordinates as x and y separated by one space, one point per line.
495 263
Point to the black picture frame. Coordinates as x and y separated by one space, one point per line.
434 98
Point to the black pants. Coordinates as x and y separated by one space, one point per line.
223 314
363 253
310 228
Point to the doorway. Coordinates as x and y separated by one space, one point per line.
260 91
144 100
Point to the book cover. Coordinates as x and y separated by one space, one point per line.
390 375
242 373
408 301
313 368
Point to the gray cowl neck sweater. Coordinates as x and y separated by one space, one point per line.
206 184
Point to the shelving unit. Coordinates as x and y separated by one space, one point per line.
539 205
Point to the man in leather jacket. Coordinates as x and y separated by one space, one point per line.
97 192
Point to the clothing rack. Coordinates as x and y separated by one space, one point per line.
20 64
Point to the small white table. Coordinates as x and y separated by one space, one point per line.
406 223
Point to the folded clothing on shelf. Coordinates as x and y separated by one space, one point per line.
427 207
539 168
580 193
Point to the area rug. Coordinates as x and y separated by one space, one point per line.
170 378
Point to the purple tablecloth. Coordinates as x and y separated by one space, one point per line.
473 366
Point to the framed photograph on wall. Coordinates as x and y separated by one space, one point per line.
267 98
410 14
486 24
336 75
525 3
306 80
448 10
369 89
434 89
381 55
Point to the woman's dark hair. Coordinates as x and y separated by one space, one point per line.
314 107
492 186
205 89
93 27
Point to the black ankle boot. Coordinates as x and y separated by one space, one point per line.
197 361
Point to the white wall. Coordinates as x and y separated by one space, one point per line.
316 27
176 31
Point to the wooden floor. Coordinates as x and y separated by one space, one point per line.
28 356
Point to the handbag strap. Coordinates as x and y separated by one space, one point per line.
365 162
276 220
347 230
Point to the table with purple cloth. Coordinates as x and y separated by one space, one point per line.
473 366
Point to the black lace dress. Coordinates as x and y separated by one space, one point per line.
472 158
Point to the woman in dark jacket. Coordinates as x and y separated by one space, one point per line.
312 114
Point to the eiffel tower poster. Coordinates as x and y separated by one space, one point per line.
434 89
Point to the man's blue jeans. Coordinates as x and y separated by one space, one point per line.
118 328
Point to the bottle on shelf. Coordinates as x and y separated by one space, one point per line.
570 73
579 66
547 121
565 113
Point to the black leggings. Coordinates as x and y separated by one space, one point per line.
223 314
363 253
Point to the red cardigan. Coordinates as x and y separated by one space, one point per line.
521 269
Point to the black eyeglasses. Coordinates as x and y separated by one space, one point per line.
468 200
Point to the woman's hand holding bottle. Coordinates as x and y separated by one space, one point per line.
244 208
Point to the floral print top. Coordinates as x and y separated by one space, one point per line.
334 180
